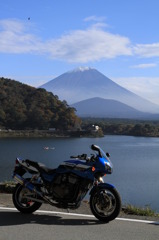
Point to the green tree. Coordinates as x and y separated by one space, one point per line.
25 107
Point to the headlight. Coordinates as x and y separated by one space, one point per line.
108 167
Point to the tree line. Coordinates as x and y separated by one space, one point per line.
26 107
125 127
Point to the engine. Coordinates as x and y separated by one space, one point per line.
67 187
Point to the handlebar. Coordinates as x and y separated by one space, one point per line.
93 158
82 157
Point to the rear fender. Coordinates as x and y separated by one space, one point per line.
19 170
100 186
22 167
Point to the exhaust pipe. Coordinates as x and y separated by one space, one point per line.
32 188
27 184
19 179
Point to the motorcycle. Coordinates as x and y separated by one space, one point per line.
67 185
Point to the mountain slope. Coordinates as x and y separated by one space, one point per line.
98 107
25 107
85 83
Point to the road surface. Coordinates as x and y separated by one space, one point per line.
51 225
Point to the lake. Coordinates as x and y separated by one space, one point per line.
135 160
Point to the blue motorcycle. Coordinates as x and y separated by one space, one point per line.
67 185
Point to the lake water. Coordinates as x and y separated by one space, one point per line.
135 160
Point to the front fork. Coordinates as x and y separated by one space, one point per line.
100 185
98 181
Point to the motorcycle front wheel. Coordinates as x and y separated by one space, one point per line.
105 204
22 202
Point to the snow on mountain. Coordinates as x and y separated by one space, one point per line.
85 83
80 69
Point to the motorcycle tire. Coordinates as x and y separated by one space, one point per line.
105 204
23 204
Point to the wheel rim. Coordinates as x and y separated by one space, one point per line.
22 199
104 203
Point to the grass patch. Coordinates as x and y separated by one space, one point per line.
145 211
7 187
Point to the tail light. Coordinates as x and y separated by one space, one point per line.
17 164
17 161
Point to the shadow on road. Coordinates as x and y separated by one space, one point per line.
15 218
155 223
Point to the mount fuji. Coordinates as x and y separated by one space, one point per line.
87 83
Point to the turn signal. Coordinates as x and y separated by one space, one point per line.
93 169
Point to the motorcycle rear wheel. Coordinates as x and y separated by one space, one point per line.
23 204
105 204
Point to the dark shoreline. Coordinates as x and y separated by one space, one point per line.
30 133
57 134
47 134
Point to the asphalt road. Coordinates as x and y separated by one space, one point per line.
58 226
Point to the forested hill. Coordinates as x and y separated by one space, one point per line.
25 107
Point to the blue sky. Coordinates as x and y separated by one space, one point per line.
41 39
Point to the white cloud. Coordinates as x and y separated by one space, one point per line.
145 65
98 22
94 18
146 87
15 39
12 25
147 50
89 45
81 46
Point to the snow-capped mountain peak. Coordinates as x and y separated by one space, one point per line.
81 69
85 82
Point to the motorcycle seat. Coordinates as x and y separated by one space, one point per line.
46 169
40 167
